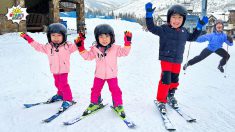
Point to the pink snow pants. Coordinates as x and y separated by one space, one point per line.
61 83
113 88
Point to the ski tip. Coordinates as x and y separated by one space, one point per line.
192 120
171 129
45 121
132 126
27 105
66 123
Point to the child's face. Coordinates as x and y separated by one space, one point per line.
176 20
219 27
56 38
104 39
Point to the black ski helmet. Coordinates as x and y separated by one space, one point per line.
57 28
104 29
177 9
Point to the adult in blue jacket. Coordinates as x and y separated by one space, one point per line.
216 40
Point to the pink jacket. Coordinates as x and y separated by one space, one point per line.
106 67
59 61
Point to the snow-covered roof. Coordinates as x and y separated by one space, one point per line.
220 15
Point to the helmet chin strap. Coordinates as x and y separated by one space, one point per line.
105 47
57 45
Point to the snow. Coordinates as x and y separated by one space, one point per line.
203 93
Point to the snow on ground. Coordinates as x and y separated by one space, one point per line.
204 93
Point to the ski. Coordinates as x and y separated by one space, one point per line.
35 104
39 103
79 118
183 114
56 114
127 121
167 123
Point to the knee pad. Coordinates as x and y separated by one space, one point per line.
166 77
174 77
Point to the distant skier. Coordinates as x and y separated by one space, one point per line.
105 52
173 37
58 51
216 40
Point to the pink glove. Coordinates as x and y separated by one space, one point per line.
26 37
127 38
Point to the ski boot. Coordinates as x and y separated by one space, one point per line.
55 98
92 107
171 99
162 107
221 68
65 105
120 111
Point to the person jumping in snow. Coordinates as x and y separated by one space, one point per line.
58 51
216 40
105 52
173 37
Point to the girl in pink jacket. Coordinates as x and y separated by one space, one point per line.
58 51
105 52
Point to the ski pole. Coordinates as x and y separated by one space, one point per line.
187 56
225 70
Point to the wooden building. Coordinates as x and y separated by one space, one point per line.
41 14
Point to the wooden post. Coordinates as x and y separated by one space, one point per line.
54 11
22 25
80 9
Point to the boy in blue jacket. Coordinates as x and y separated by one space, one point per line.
173 37
216 40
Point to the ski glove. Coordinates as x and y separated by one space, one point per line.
127 38
202 22
230 39
26 37
149 10
79 41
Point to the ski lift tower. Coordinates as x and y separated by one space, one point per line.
204 11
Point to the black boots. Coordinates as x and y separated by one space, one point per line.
171 99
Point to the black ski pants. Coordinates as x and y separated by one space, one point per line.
206 52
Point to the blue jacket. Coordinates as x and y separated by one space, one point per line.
215 39
172 41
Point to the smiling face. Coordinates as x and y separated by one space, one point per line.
104 39
219 27
56 38
176 20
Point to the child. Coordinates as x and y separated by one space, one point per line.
216 40
105 52
173 37
58 51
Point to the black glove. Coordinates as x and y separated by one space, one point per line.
230 39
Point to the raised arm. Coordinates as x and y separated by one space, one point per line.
34 44
149 20
79 41
196 33
124 51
